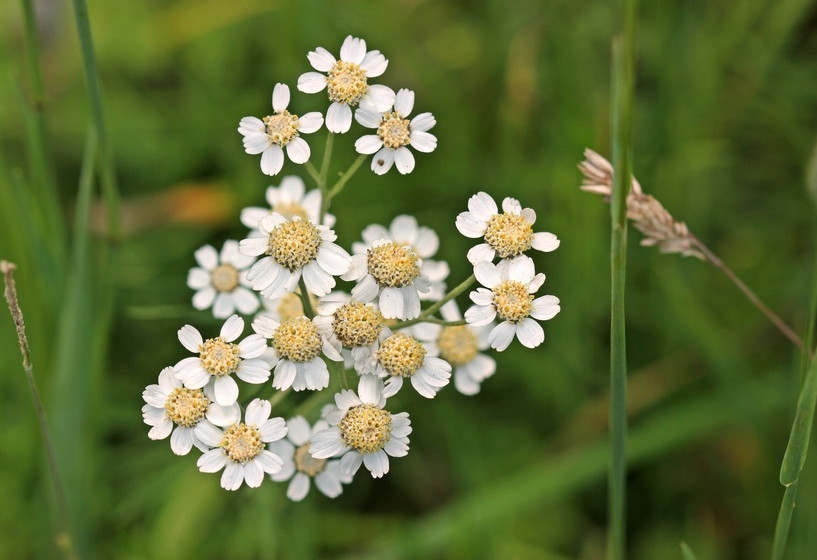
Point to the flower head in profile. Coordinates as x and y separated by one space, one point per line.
175 410
402 356
346 81
395 133
219 358
507 234
220 281
290 199
508 296
301 468
297 350
281 130
241 449
292 249
361 431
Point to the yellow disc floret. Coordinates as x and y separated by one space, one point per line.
393 265
281 127
186 407
394 130
219 357
366 428
297 340
242 443
306 463
458 345
294 243
509 234
401 355
346 83
224 278
291 210
357 324
512 301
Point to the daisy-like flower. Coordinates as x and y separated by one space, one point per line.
290 199
270 135
296 348
361 431
390 272
220 281
402 356
300 468
395 133
218 358
354 325
506 235
293 248
174 410
347 81
242 448
404 230
509 295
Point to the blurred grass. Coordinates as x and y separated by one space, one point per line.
725 123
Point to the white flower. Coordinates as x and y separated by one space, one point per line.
219 358
220 281
288 200
296 353
511 285
294 248
270 135
171 407
404 230
361 431
390 272
507 235
347 81
402 356
460 346
346 323
241 449
301 467
395 133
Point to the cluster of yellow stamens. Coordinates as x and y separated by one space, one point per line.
186 407
281 127
509 234
512 301
297 340
219 357
393 265
401 355
224 278
357 324
458 345
394 130
346 83
242 443
366 428
294 243
306 463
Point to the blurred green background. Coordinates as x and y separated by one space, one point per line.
725 124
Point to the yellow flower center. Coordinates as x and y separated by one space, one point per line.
357 324
346 83
218 357
401 355
393 265
186 407
366 428
290 306
509 234
242 443
297 340
458 345
294 243
224 278
306 463
291 210
512 301
394 130
281 127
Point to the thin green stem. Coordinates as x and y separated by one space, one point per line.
304 294
457 290
315 174
434 320
327 156
341 182
781 529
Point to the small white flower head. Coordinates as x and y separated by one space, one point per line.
347 81
509 297
296 348
350 324
461 346
242 448
300 468
506 235
361 431
290 199
404 231
220 281
270 135
390 272
293 248
395 133
174 410
401 356
219 358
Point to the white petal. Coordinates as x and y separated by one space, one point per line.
298 150
284 375
298 487
208 434
374 64
328 481
181 441
321 59
161 430
501 336
392 303
251 125
333 259
207 257
404 102
226 390
232 477
203 299
212 461
272 160
253 473
310 123
350 463
377 463
326 443
521 269
423 123
544 241
404 160
480 253
382 161
245 300
368 144
379 98
338 118
273 429
482 206
511 206
254 246
487 274
367 118
545 307
469 225
353 50
223 415
299 430
423 141
232 328
312 82
366 290
280 97
530 333
478 315
258 411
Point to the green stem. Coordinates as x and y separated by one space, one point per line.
307 305
458 289
341 182
315 174
434 320
781 530
327 156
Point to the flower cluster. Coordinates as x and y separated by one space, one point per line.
380 315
